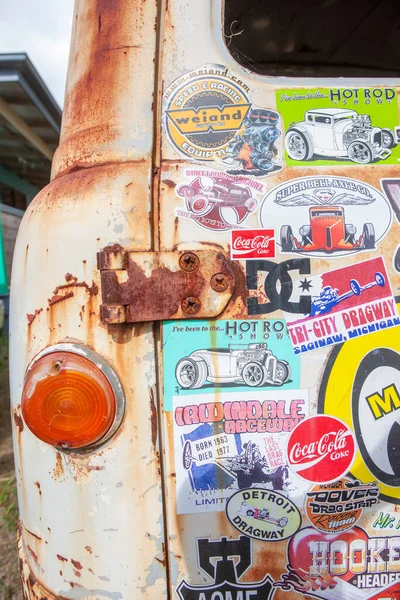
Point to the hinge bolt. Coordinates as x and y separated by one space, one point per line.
191 305
189 261
220 282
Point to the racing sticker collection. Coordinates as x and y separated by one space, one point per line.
285 412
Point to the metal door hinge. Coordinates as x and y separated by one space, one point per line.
155 286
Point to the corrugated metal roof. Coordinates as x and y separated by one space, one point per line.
24 91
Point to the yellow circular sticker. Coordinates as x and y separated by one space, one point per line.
361 386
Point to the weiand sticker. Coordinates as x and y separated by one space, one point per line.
324 216
263 514
209 117
227 443
224 561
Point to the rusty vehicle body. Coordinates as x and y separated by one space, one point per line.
108 260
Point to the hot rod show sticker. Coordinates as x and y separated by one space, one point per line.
227 355
209 117
326 216
321 449
263 514
231 442
338 125
345 304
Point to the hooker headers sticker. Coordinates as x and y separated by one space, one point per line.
208 116
225 561
346 566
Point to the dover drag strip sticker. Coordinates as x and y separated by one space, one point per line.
345 304
209 117
337 506
229 442
326 216
335 126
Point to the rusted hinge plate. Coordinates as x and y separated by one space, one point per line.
155 286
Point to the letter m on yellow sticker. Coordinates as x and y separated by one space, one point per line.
385 403
210 118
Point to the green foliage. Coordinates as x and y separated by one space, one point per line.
8 503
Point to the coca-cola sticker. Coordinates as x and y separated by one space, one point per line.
321 449
252 243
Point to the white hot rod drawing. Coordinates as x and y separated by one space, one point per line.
250 364
338 133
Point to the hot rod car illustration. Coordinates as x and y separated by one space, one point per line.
261 514
250 364
338 133
246 469
329 297
200 199
327 232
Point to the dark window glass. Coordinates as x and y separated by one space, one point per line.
330 38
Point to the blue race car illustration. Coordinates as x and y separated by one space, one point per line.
329 297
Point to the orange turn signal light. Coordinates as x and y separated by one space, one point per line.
68 401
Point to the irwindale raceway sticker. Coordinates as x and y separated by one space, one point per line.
209 117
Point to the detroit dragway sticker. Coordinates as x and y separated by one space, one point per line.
345 304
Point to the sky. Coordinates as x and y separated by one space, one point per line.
42 29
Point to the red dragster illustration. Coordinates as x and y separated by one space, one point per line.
327 232
201 199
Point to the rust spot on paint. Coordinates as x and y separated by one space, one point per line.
18 421
153 417
70 277
88 549
76 564
33 534
169 183
37 485
57 298
62 558
59 468
33 554
32 316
